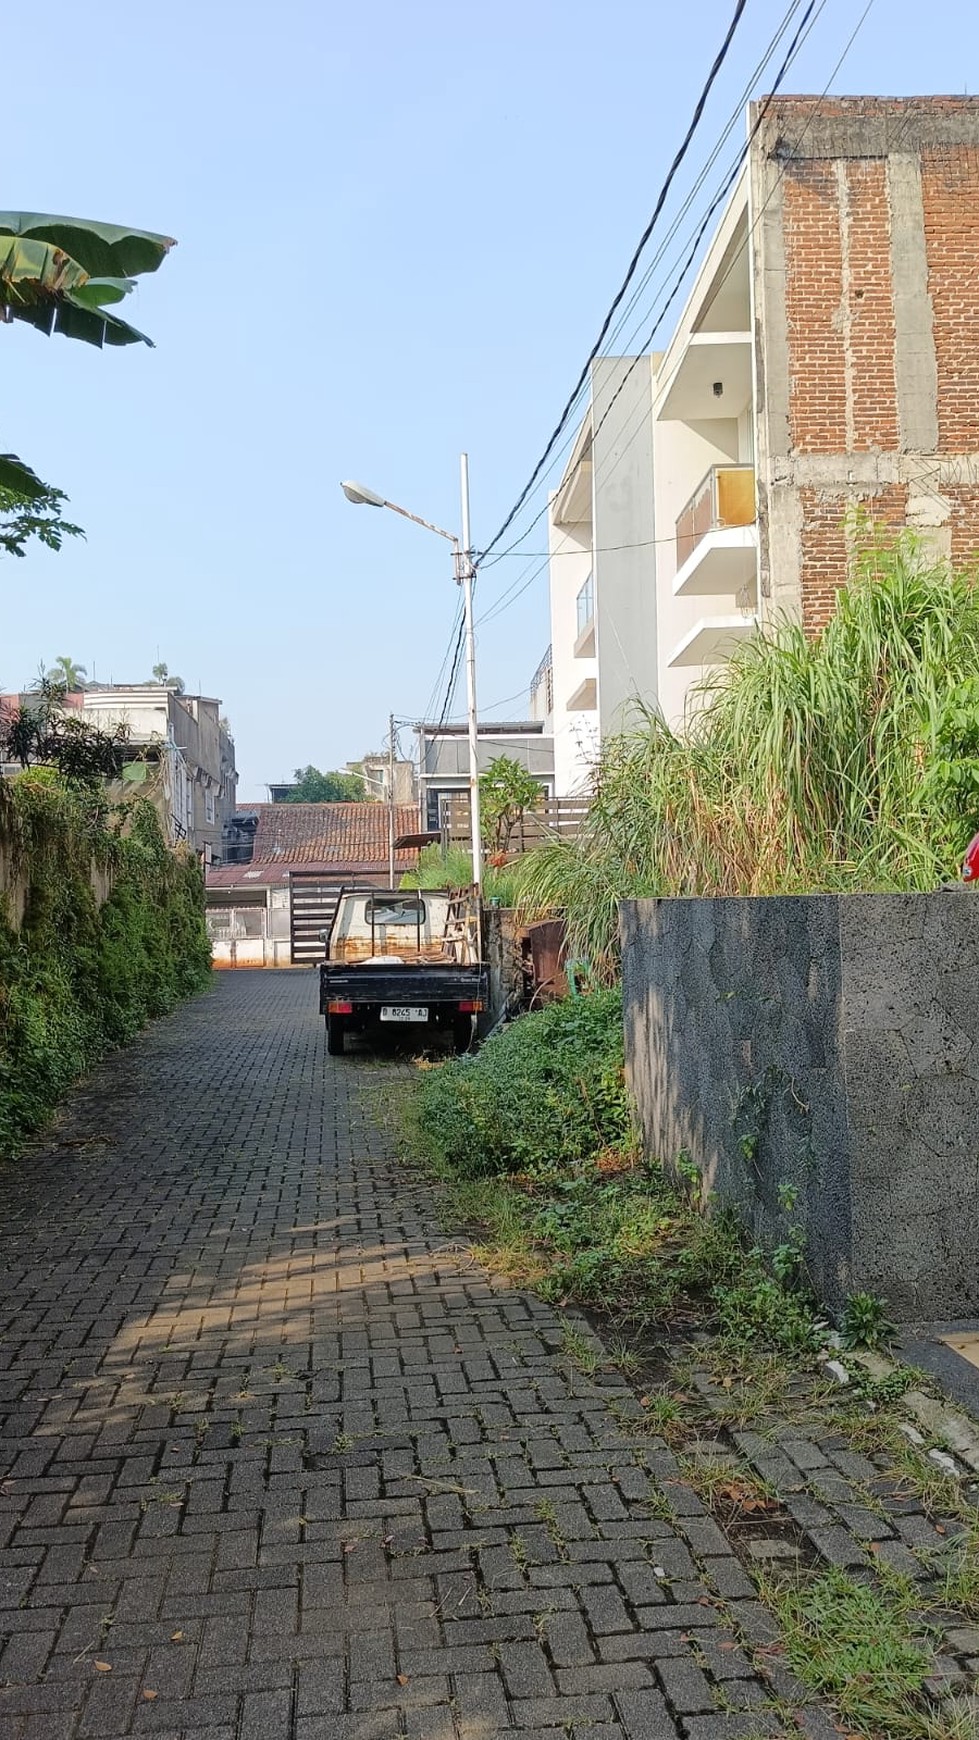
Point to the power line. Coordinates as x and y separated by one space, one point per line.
681 153
717 201
524 581
677 221
735 116
453 674
516 588
447 655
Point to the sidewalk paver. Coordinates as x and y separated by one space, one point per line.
280 1464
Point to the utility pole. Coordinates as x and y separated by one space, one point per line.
391 810
462 559
464 564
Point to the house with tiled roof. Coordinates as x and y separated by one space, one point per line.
270 907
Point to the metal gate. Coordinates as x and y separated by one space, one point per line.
313 901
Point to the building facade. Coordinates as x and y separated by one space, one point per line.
271 903
826 366
443 760
188 752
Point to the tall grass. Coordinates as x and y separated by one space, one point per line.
847 761
451 867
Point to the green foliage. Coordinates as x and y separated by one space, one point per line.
506 790
314 787
547 1091
865 1322
580 1218
161 674
855 1645
62 274
49 734
38 515
65 674
453 868
78 977
845 762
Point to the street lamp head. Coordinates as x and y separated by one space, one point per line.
361 496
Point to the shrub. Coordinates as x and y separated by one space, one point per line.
547 1091
78 977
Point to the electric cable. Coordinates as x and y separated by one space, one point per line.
517 589
804 29
620 294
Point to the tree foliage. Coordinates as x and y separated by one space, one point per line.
506 790
67 673
47 733
314 787
39 515
161 674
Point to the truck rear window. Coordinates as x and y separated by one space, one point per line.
385 910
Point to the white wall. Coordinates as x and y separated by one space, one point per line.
575 733
624 538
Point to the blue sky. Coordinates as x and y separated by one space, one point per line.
399 228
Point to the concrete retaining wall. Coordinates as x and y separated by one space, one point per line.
822 1046
251 951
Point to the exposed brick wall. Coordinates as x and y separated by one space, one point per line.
870 308
858 272
823 555
813 253
840 308
825 546
950 190
965 524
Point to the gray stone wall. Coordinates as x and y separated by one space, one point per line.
820 1051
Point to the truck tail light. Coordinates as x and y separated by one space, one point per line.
341 1008
473 1008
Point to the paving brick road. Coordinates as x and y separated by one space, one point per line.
280 1464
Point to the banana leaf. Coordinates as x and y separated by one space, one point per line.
20 479
101 250
39 284
73 320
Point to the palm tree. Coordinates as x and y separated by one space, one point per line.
161 674
65 672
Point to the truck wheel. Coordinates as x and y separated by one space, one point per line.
462 1033
335 1035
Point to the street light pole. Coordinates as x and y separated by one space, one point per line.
391 800
466 579
464 570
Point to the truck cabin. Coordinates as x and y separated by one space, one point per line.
387 926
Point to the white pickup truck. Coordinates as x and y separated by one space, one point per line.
403 960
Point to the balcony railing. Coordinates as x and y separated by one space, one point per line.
726 497
542 687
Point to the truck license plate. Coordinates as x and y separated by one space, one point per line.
393 1012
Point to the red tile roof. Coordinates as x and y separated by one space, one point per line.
324 834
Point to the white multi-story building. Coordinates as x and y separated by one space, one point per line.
600 543
825 362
